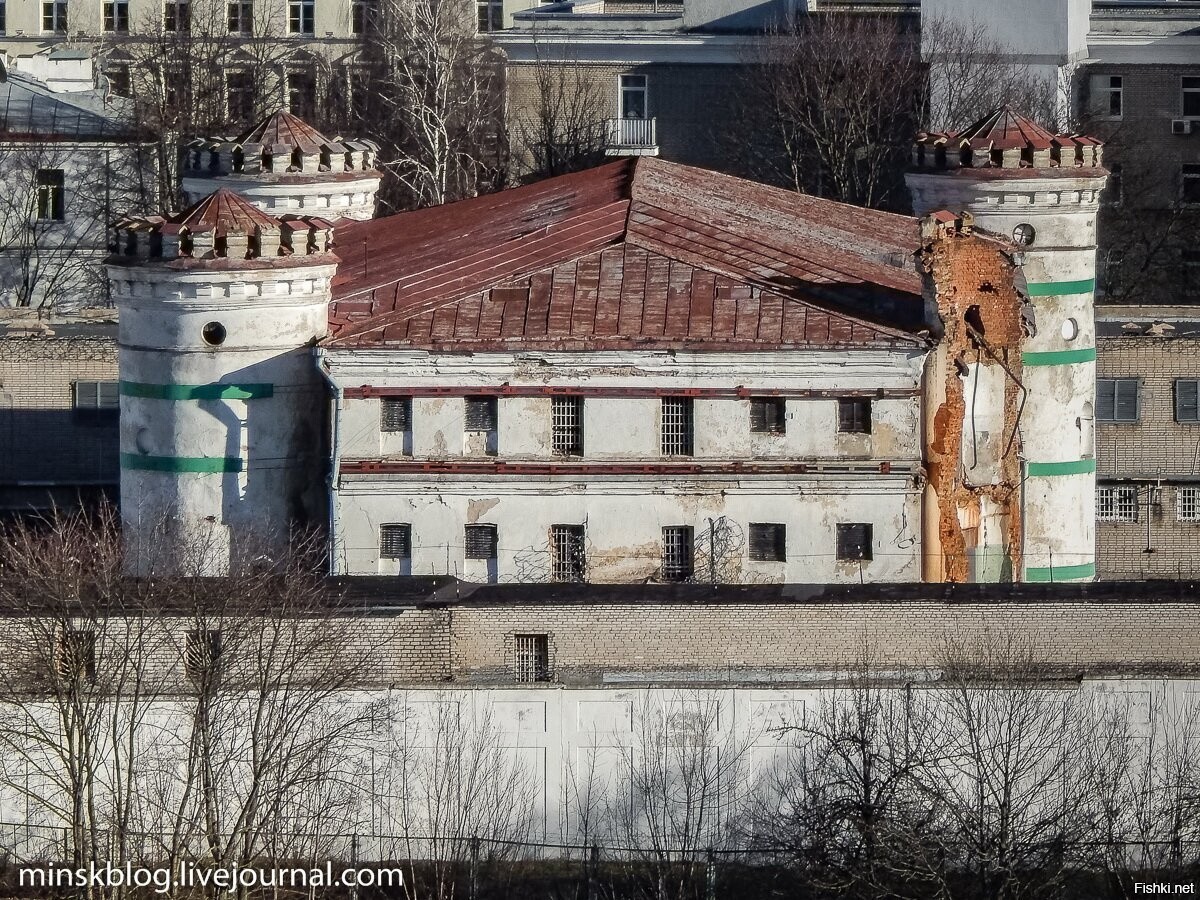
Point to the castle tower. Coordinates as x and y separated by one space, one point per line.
283 165
222 437
1041 192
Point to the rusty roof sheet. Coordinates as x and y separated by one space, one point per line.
1005 129
282 129
638 253
225 213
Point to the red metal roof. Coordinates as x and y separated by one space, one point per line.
1005 129
226 213
284 129
638 253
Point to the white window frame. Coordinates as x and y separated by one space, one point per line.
1103 87
644 90
115 12
1117 503
1187 503
302 17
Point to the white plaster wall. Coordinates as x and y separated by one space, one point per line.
351 196
623 520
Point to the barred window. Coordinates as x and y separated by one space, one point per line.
1117 503
481 541
767 415
1187 503
395 414
854 541
1187 400
854 415
75 654
395 542
568 560
532 657
677 560
768 542
481 414
202 653
1117 400
678 437
567 425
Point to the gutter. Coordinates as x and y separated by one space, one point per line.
334 476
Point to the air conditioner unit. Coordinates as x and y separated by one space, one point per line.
1181 126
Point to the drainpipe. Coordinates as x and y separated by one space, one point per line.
335 468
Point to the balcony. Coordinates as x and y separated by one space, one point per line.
632 137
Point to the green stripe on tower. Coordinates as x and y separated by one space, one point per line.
201 464
1060 573
1061 288
1071 467
196 391
1059 357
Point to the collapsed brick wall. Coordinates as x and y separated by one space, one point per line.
970 277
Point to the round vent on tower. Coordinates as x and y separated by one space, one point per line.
213 334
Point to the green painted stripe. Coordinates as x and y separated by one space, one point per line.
1072 467
1061 288
180 463
1060 573
1059 357
196 391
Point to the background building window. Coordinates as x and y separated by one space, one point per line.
767 415
51 195
854 541
854 415
768 542
1187 503
1107 96
119 81
239 87
1117 503
116 16
481 414
1187 400
678 436
532 657
633 98
363 14
202 654
95 403
177 15
1191 183
3 16
566 415
1190 262
481 541
395 414
75 655
54 16
301 94
395 542
1114 190
568 561
1117 400
677 560
489 15
241 17
300 16
1191 96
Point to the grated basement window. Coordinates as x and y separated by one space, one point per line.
854 415
677 561
201 653
395 542
1117 503
395 414
678 438
768 542
532 657
854 541
1187 504
567 425
480 414
568 560
767 415
75 655
481 541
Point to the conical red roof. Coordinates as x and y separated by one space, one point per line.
1005 129
282 128
226 213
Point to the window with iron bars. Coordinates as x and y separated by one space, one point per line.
678 436
241 16
531 657
177 15
1117 503
300 16
567 425
480 414
202 654
1187 503
767 415
854 415
75 655
768 542
395 414
481 541
677 562
568 561
116 16
395 541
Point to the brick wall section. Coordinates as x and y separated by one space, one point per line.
1153 448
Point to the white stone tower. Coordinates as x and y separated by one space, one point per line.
283 165
222 406
1042 192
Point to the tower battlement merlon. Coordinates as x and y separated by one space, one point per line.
1006 140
